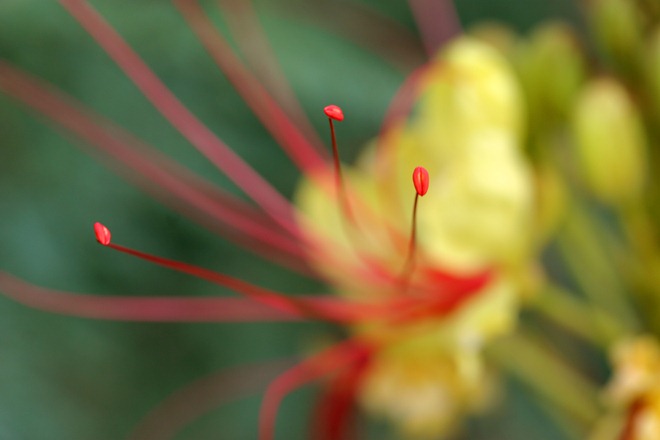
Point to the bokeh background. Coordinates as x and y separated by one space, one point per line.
71 378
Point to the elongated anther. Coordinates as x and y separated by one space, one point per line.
102 234
421 180
334 112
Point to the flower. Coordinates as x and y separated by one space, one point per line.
633 393
475 217
418 306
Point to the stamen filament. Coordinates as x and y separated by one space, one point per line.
437 21
335 408
142 308
181 118
420 179
333 359
172 184
187 404
305 154
324 308
246 30
334 113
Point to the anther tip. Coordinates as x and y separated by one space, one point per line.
421 180
102 234
334 112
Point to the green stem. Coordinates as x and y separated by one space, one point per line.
528 360
584 319
593 269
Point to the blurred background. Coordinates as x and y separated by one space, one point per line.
72 378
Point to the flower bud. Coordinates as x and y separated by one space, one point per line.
551 200
610 141
471 88
652 73
552 70
618 27
497 35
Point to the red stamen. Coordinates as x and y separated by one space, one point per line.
200 136
191 195
437 21
421 183
142 308
102 234
628 432
324 308
335 408
334 112
403 101
246 30
333 359
305 155
185 405
421 180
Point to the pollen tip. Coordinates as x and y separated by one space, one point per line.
334 112
102 234
421 180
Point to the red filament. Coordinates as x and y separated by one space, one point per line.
334 113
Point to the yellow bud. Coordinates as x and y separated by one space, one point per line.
551 201
471 88
618 26
610 141
652 72
496 35
552 69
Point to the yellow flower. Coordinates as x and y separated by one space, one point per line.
476 216
610 140
633 392
418 306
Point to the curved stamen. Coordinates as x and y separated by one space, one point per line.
420 179
305 155
335 408
246 178
437 20
171 183
324 308
204 395
334 113
331 360
142 308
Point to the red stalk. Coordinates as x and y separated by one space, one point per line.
331 360
437 21
319 307
335 113
247 31
141 308
204 395
307 157
336 405
155 172
401 104
246 178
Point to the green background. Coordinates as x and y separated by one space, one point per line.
71 378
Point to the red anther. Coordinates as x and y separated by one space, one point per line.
102 234
421 180
334 112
